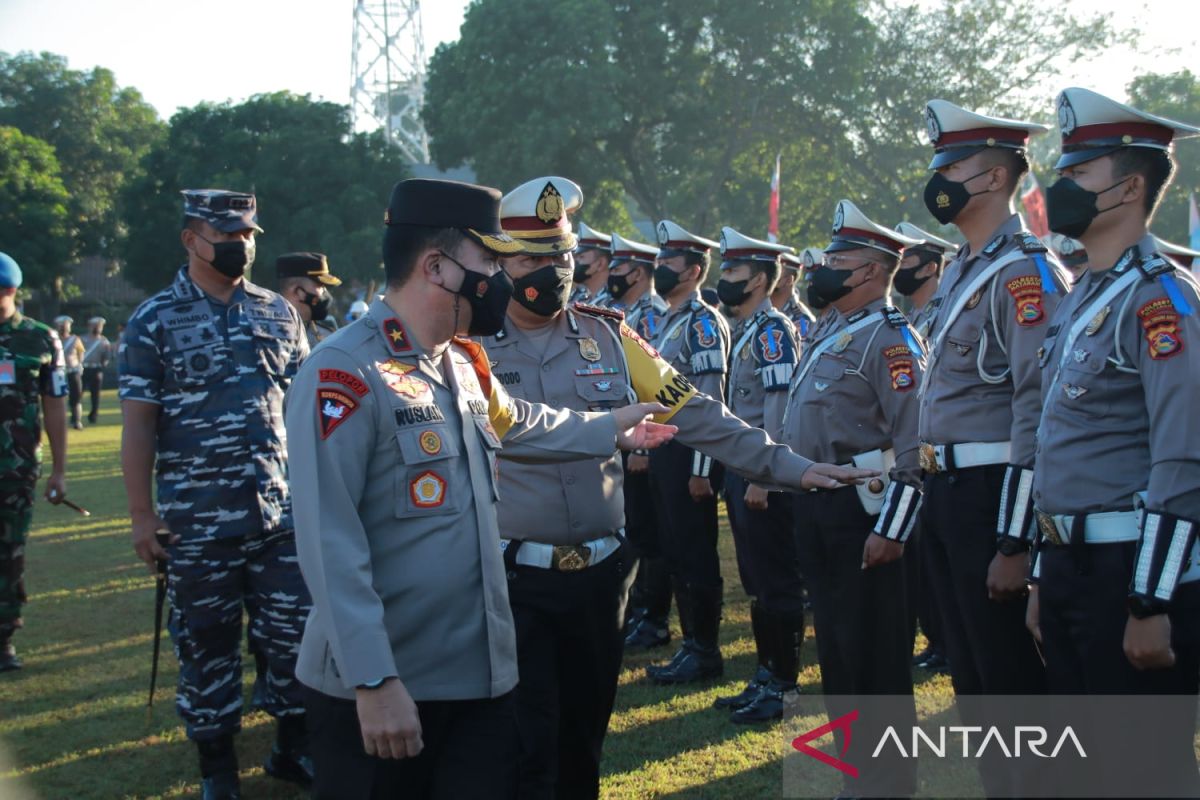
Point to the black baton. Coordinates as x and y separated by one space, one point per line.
160 598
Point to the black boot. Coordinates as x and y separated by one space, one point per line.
786 634
648 633
763 674
289 759
702 659
8 656
219 769
683 601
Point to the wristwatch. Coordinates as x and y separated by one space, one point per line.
1142 607
373 684
1008 546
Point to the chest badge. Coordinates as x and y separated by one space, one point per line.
1080 355
589 350
431 443
428 490
820 386
1097 321
603 386
745 354
842 342
1074 391
961 349
974 299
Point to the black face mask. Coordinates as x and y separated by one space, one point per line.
732 293
488 298
544 291
319 303
665 279
830 283
906 281
618 285
232 259
581 272
946 198
815 301
1070 208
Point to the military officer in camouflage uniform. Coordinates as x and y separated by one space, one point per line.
394 428
592 257
1117 470
33 386
853 400
980 403
568 564
786 297
761 361
304 279
204 365
694 339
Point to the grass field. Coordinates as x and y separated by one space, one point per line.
73 722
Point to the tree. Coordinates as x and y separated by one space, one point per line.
33 208
686 103
319 186
99 131
1175 96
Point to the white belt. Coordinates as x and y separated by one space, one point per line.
564 557
1103 528
941 457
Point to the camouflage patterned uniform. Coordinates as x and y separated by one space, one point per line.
219 373
31 366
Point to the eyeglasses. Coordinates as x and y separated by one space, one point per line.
846 262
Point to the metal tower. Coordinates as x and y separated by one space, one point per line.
387 80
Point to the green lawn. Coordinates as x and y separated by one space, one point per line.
73 723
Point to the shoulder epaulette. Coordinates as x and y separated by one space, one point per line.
1154 265
895 317
994 246
857 315
596 311
1029 243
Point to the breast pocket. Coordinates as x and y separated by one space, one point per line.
491 447
825 380
274 345
198 356
960 352
1083 384
423 486
602 392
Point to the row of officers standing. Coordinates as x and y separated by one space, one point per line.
453 494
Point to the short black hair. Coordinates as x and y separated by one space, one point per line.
692 258
403 244
1156 166
769 268
1013 161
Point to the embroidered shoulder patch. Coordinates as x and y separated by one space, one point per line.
771 341
353 382
1160 321
1026 292
333 408
900 367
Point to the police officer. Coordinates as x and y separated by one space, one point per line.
1184 257
1117 474
561 524
980 405
73 351
32 387
694 339
810 259
761 361
304 279
1071 254
920 272
204 365
786 297
592 257
853 400
97 352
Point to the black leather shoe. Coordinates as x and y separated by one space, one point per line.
647 634
747 695
8 658
696 664
768 706
222 786
291 767
654 669
935 661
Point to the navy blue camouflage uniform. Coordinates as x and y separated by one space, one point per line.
219 372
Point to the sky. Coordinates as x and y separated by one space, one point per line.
181 52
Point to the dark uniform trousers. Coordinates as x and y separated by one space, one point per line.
860 616
16 516
1082 615
687 530
918 593
470 752
75 395
652 589
766 550
569 647
93 382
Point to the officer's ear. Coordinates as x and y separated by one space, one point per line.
431 264
1135 189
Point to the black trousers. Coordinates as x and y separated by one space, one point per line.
921 606
653 588
93 381
1082 614
989 647
861 623
687 530
569 646
470 752
75 394
766 548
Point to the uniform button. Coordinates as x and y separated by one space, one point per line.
570 480
545 367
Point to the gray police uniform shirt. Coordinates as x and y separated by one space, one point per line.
1120 416
802 316
922 321
984 384
218 371
760 367
593 361
97 351
645 315
394 474
694 339
859 395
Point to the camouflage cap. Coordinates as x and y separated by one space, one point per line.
226 211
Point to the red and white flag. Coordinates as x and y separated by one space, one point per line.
1035 208
773 205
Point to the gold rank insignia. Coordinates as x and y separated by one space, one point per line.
549 205
745 352
1097 321
589 349
842 342
974 299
